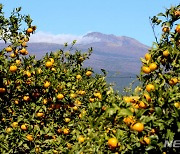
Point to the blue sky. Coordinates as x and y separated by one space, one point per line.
71 19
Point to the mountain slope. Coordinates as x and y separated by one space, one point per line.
116 53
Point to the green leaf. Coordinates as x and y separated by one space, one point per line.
20 143
158 111
26 146
120 133
170 135
111 111
143 60
124 112
161 14
37 108
178 124
149 148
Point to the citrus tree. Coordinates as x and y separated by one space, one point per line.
156 101
51 105
54 105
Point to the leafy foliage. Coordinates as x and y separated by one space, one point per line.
54 105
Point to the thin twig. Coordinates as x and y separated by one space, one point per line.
153 30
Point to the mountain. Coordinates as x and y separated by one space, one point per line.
115 53
118 55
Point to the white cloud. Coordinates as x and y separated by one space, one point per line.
60 38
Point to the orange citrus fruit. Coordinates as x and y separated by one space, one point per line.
16 102
8 130
113 142
78 76
23 51
46 84
138 127
13 68
177 104
67 120
29 30
12 55
127 99
142 105
173 81
147 140
166 53
177 13
150 87
91 99
18 62
2 90
147 56
60 96
29 137
52 60
148 98
24 44
23 127
146 69
28 74
98 95
178 28
48 64
40 114
15 124
8 49
26 98
73 95
26 39
153 66
75 108
88 73
66 131
165 29
129 120
81 139
55 152
53 69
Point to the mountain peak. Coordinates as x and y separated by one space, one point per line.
98 34
103 37
113 39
